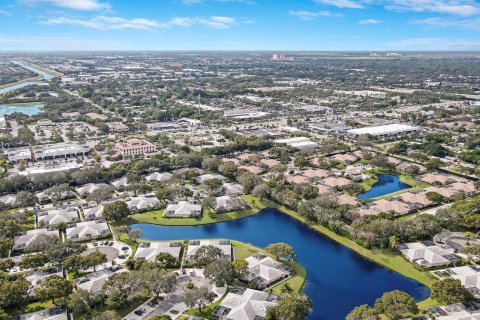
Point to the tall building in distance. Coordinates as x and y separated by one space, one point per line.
281 57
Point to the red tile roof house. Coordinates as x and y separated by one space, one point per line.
236 161
446 192
336 182
434 178
345 157
383 205
269 162
394 161
346 199
315 173
296 179
252 169
323 189
362 212
404 165
244 156
418 200
466 187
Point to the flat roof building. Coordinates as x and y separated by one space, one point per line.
384 131
59 150
135 146
298 142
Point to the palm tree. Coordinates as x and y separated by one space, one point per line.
286 289
393 241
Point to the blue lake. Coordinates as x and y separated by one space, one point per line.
387 183
29 110
338 279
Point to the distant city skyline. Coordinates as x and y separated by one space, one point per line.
301 25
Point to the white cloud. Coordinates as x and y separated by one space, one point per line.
444 44
310 15
347 4
370 21
6 13
117 23
88 5
448 23
106 23
455 7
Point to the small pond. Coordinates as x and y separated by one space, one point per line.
338 279
387 183
29 110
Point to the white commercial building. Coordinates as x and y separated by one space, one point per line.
244 114
18 154
59 150
384 131
298 142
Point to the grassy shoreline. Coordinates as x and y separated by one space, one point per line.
384 258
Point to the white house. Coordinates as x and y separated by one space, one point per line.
88 230
245 304
28 237
150 250
143 203
183 209
428 254
224 245
265 271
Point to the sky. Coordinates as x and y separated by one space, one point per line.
297 25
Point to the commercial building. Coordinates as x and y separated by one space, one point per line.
59 150
117 127
162 126
384 132
18 154
244 114
298 142
134 147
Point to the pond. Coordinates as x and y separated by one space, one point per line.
338 279
29 110
387 183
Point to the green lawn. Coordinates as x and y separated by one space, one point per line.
295 283
155 217
205 312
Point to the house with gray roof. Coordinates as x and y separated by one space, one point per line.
224 245
142 203
245 304
150 250
428 254
88 230
183 209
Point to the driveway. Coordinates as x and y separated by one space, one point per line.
176 299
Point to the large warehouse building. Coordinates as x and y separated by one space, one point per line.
384 132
